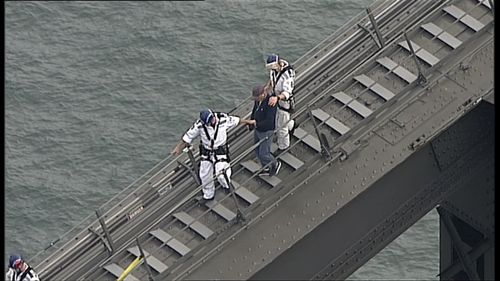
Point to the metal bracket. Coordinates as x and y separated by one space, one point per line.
52 244
163 190
192 170
148 267
375 26
105 229
418 142
108 247
422 80
347 149
464 66
323 141
469 103
239 214
195 167
371 34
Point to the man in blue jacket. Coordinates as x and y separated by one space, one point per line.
265 119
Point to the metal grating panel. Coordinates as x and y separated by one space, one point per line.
244 193
444 36
375 87
155 263
220 210
422 53
353 104
166 238
116 270
195 225
468 20
287 157
331 121
254 167
291 160
400 71
311 141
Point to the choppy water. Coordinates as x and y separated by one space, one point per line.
97 93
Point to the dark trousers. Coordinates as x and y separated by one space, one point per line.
263 151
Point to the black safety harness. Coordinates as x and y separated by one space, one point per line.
221 150
26 272
288 67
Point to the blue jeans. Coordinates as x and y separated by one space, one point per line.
263 151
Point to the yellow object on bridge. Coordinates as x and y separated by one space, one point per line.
129 269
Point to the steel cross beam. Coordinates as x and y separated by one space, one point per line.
458 244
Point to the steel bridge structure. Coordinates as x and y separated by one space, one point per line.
396 113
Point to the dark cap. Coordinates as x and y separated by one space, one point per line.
272 58
14 261
257 91
206 116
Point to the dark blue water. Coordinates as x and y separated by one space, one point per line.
97 93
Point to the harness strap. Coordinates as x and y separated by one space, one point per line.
288 67
212 142
26 272
279 76
284 109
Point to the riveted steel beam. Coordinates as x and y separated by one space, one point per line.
449 272
458 244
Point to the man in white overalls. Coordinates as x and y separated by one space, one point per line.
281 81
213 127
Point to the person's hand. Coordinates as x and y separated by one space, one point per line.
176 151
273 100
251 124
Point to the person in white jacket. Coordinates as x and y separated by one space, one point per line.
282 82
19 270
212 128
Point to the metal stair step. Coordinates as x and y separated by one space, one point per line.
173 243
444 36
287 157
311 141
220 210
331 121
400 71
353 104
468 20
253 167
423 54
244 193
155 263
195 225
117 270
291 160
374 87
